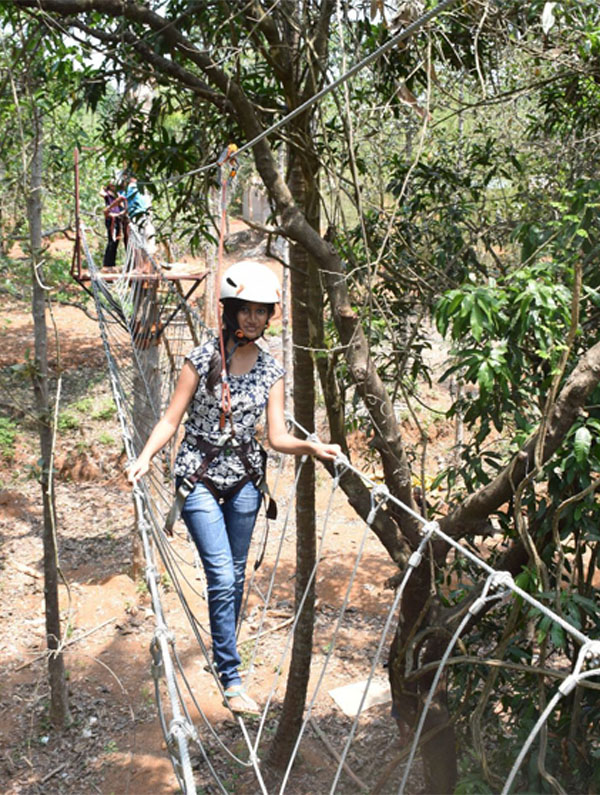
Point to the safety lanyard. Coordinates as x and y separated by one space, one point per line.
228 164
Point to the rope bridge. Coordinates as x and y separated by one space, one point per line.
147 328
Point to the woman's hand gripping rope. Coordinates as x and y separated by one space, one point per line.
137 470
326 451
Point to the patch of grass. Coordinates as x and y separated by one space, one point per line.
44 724
68 422
8 436
147 697
106 438
106 411
84 405
245 650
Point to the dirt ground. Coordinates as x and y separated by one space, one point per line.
114 743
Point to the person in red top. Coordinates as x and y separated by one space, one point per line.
114 211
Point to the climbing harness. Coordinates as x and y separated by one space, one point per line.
227 444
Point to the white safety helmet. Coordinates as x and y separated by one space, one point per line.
249 280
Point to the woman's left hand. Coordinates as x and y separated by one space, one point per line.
327 451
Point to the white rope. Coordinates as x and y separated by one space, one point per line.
413 562
176 737
508 583
287 646
590 651
333 641
275 566
493 582
569 628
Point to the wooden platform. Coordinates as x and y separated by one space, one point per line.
148 277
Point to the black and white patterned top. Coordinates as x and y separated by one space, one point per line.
249 394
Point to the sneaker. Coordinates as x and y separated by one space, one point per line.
239 702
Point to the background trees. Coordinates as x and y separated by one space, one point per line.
454 180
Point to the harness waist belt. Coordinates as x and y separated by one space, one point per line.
211 451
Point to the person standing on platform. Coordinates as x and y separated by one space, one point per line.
114 211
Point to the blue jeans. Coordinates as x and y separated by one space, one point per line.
222 533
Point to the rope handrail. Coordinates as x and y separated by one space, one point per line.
183 769
436 530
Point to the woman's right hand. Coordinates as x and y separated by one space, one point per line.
138 469
166 428
327 451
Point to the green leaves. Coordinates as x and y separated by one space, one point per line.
508 336
470 310
582 444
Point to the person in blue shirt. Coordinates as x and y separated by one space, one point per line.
138 203
139 212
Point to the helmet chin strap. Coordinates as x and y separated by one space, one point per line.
240 341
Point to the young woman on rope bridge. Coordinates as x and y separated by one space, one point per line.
220 467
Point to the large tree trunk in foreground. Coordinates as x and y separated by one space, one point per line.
56 671
303 409
419 637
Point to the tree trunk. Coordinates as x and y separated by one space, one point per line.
286 333
3 222
58 689
417 640
303 407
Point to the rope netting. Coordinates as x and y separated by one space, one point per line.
147 328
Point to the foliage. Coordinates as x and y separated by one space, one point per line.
67 421
488 232
44 77
509 333
8 436
510 337
105 412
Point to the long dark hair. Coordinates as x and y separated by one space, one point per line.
231 307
